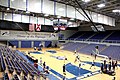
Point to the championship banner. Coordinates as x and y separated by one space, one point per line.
63 26
60 24
38 27
55 26
5 33
31 27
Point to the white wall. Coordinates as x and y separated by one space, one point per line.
88 28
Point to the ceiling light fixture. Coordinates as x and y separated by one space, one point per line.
101 5
86 0
46 15
24 0
58 16
12 0
61 9
72 19
99 15
27 12
5 14
13 14
8 8
116 10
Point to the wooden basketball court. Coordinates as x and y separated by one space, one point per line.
56 65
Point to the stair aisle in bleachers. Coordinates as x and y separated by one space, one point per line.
79 36
91 36
107 37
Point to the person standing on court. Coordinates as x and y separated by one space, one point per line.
116 64
64 71
44 66
75 51
96 51
77 58
109 66
40 47
102 67
35 65
93 65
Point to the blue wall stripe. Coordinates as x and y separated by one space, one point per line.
41 6
15 43
54 7
47 43
75 13
12 15
29 19
37 20
44 21
21 17
2 15
8 3
26 5
26 44
66 11
36 43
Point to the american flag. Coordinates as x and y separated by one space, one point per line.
31 27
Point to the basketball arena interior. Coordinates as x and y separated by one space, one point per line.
59 39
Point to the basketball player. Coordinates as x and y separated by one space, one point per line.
93 64
116 64
44 66
64 72
75 52
96 52
79 64
35 48
39 48
77 57
40 60
114 78
96 49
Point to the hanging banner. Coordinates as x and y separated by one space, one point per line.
31 27
38 27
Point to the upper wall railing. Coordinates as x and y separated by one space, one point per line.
50 8
94 40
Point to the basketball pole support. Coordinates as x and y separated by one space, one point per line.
86 15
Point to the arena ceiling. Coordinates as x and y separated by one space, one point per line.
92 5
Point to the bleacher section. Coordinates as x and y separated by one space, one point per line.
85 36
114 36
77 34
11 62
90 48
2 63
74 46
110 51
107 36
100 35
